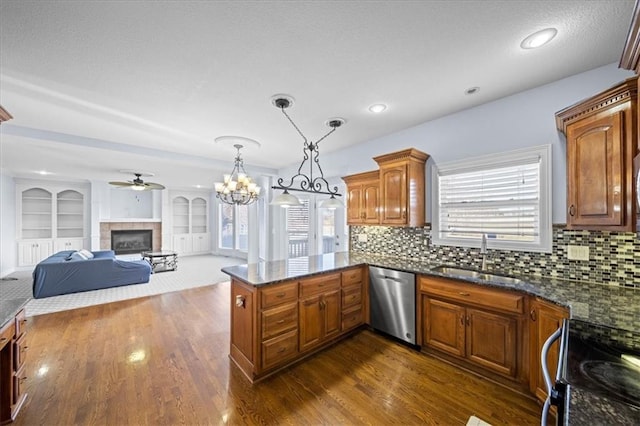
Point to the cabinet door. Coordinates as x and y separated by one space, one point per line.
69 244
330 305
311 322
370 202
393 181
595 154
354 195
491 341
182 244
201 243
443 325
546 318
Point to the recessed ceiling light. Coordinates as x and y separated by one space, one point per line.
377 108
472 90
539 38
44 172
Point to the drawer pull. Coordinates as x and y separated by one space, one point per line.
462 293
282 350
532 314
281 295
461 319
279 322
4 339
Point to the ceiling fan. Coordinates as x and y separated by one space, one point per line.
138 184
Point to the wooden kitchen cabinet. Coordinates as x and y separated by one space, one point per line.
13 352
319 306
479 325
601 135
353 297
402 188
545 319
363 198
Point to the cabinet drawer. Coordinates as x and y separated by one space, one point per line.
320 284
351 277
19 379
21 322
278 294
351 296
352 317
6 333
473 294
278 320
19 352
279 349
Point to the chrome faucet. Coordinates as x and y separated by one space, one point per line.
483 252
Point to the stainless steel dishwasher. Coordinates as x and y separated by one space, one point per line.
392 298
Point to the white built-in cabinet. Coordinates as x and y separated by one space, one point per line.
190 216
50 219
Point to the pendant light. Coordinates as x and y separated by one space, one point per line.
313 182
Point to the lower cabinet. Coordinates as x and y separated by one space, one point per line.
30 252
320 315
481 326
545 319
62 244
274 325
13 351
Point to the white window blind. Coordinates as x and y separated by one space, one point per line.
505 197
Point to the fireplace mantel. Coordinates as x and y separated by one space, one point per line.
129 219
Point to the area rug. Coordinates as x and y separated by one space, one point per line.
193 271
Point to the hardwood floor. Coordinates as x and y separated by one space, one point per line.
164 360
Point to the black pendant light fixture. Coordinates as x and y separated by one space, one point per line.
313 182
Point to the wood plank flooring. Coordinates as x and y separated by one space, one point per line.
163 360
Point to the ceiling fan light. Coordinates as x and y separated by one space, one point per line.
285 200
138 187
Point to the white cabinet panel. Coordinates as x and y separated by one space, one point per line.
182 244
69 244
201 243
33 251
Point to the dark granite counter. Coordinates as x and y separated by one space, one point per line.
9 309
600 304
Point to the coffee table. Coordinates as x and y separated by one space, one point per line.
161 261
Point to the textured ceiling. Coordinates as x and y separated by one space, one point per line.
121 84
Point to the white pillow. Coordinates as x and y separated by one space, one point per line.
86 253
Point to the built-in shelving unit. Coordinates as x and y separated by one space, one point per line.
180 215
70 214
199 216
36 213
190 224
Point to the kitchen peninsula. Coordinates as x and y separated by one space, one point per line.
284 311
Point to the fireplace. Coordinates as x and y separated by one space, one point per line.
131 241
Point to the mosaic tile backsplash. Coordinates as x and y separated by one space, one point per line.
614 257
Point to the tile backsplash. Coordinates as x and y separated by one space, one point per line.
614 257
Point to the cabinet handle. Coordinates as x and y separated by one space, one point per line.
572 210
404 214
532 315
4 339
281 295
362 215
461 319
22 379
282 350
279 322
468 320
462 293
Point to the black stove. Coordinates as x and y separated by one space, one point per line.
604 367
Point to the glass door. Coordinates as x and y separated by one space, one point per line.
233 229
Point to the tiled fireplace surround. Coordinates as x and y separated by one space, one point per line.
107 227
614 257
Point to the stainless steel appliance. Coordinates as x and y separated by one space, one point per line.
393 303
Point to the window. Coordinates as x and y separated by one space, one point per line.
507 197
233 227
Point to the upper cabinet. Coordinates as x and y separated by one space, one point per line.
392 195
601 142
363 198
402 182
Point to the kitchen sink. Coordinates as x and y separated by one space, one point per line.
475 274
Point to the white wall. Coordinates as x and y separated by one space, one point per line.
522 120
8 245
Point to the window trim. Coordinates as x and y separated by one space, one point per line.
493 161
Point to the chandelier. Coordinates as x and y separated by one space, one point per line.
237 187
306 182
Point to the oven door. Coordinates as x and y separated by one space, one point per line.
557 391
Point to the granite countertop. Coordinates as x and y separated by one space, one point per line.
596 303
9 309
